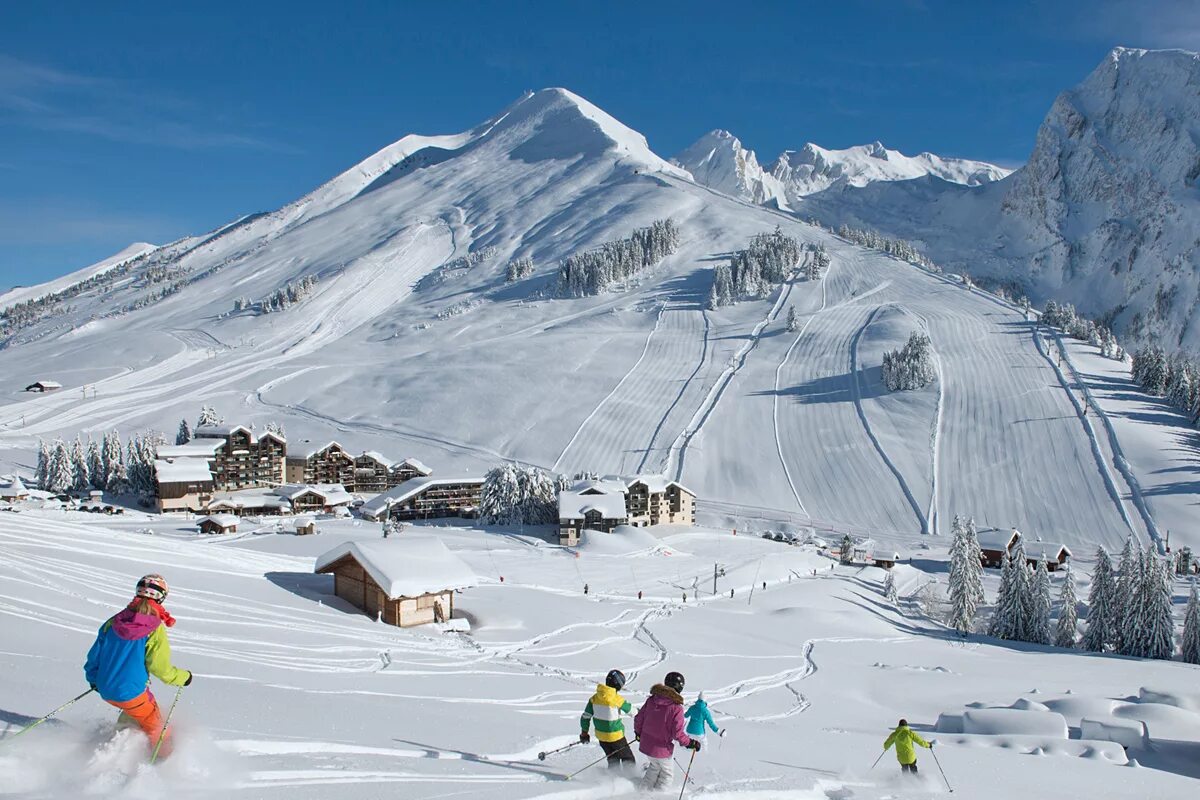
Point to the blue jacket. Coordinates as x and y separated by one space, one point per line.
128 649
698 716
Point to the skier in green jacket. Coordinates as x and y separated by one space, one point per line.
904 738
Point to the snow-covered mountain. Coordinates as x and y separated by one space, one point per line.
720 161
1104 215
380 310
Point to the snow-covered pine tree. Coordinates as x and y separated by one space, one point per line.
1067 630
185 432
1157 630
208 416
60 474
1004 623
500 496
975 562
1128 585
1102 606
43 465
963 604
910 367
113 461
1191 628
1184 561
889 587
793 322
95 465
846 550
1039 622
81 480
276 428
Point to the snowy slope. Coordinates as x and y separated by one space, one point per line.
20 294
297 695
405 349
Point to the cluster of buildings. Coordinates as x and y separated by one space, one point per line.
229 469
995 546
601 504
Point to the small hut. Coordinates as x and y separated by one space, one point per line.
218 523
14 491
1056 554
43 386
305 526
404 581
995 545
885 559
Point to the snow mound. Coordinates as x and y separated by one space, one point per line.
1125 732
624 540
1014 721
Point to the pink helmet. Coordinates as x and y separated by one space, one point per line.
153 587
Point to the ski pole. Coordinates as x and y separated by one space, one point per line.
933 753
688 772
881 752
33 725
686 779
598 760
564 748
163 733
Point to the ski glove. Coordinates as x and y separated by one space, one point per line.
694 744
188 682
584 737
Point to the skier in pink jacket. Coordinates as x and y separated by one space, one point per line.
659 725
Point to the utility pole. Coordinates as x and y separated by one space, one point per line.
714 579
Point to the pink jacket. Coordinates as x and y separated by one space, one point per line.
659 723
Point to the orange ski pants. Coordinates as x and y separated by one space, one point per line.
143 711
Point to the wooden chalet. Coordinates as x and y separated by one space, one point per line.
995 545
370 472
305 526
14 491
403 581
1056 554
43 386
218 523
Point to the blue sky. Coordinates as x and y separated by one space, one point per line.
147 121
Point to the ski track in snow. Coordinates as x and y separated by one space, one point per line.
862 416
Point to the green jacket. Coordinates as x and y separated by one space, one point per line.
904 738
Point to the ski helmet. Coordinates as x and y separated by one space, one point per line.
615 679
903 723
674 680
152 587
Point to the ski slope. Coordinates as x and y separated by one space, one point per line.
297 695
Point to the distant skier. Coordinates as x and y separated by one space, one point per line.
129 648
659 725
604 711
699 717
904 738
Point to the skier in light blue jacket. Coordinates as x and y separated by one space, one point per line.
698 716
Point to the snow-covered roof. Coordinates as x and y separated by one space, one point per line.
404 566
657 484
304 522
378 458
197 448
334 494
15 489
409 489
209 431
416 465
576 504
223 520
47 384
249 499
1049 550
997 539
325 447
183 470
